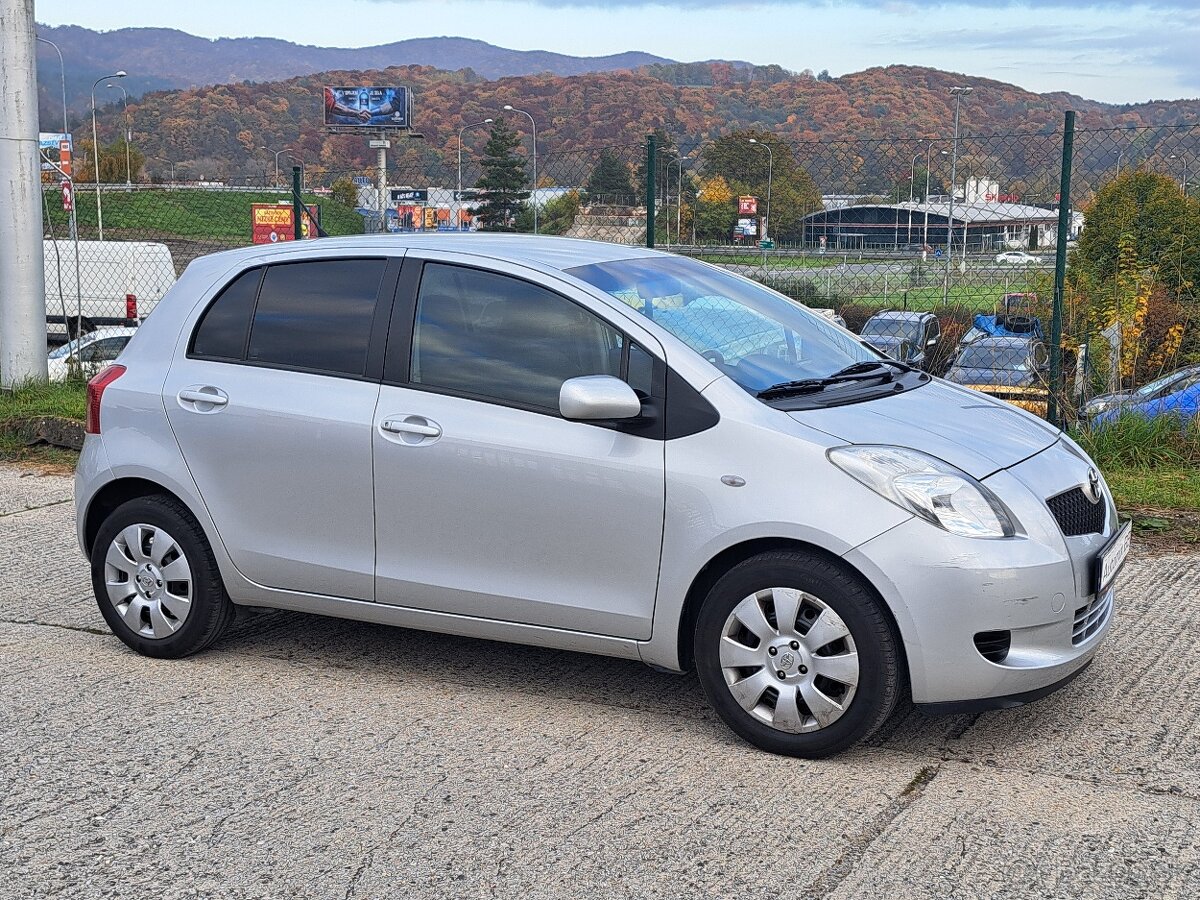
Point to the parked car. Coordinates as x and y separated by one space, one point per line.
904 336
1013 369
1017 258
1177 394
1143 398
831 314
118 284
88 354
596 448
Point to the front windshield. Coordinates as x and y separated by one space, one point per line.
997 357
755 336
65 350
1149 390
905 330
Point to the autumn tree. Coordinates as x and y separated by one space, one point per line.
112 163
610 182
345 192
715 210
745 167
503 187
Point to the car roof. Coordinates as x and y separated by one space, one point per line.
900 314
542 250
1004 341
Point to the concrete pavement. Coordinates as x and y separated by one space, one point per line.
307 757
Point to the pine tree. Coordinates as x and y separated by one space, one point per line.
609 182
503 187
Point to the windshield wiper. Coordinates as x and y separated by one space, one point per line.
871 365
859 371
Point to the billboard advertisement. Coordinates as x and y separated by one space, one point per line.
368 107
747 206
273 222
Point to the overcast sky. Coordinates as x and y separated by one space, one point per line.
1118 52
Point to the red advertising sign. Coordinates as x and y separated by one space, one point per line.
747 206
64 157
273 222
68 200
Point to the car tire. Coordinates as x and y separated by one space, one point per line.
742 657
156 580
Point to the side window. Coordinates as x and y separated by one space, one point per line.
105 350
221 333
493 336
316 315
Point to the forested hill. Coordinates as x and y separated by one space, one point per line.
226 124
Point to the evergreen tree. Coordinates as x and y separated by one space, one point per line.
503 186
609 182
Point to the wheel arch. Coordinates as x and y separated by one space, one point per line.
738 553
115 493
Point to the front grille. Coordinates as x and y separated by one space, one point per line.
993 645
1076 514
1091 618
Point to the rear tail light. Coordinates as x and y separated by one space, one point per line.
131 306
95 391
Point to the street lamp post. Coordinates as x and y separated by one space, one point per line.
667 190
770 168
925 232
912 177
458 196
96 152
957 93
128 133
1184 160
277 154
510 108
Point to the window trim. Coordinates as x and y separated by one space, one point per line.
385 296
406 306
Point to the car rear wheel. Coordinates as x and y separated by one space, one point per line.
156 581
796 655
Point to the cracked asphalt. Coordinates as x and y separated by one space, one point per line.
311 758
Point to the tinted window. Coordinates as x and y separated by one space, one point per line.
105 350
316 315
498 337
222 330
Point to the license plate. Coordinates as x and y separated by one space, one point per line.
1112 557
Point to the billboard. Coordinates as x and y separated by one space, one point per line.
273 222
369 107
747 206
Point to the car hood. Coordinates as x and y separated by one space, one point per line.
973 432
992 377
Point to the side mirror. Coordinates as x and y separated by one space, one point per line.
591 397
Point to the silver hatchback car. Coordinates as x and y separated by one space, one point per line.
596 448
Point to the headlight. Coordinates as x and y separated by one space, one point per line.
934 490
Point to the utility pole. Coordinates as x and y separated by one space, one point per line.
957 93
22 279
382 146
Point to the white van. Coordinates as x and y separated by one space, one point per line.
120 282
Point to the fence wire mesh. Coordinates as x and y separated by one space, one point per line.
937 251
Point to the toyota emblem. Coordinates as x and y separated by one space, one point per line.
1092 490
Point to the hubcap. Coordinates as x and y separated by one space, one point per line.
789 660
148 580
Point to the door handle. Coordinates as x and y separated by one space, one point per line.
402 426
187 395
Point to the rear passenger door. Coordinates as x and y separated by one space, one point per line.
272 407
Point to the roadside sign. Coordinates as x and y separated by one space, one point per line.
68 199
408 196
747 206
64 157
272 222
361 180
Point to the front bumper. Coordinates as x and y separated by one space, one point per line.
944 590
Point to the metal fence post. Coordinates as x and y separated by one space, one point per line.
651 169
297 205
1053 413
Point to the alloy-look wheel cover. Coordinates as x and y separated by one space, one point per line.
148 580
789 660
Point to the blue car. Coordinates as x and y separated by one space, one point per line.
1177 394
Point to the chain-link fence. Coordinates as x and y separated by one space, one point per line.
939 251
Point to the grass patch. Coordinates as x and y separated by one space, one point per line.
66 399
1162 487
1138 442
162 214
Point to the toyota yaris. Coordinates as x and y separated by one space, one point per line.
597 448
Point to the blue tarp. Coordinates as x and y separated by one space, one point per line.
994 326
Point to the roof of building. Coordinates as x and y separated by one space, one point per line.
973 213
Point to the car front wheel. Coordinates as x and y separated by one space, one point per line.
796 655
